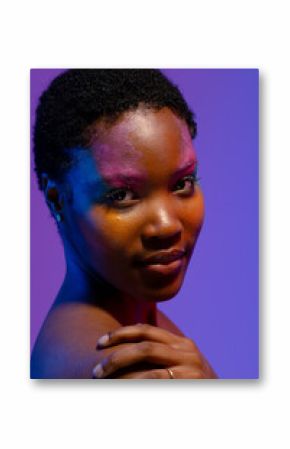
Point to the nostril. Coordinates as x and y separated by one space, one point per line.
161 241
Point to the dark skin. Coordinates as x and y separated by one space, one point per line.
108 225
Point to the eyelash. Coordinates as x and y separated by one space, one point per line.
193 178
109 195
109 199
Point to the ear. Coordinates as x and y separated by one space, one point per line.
53 196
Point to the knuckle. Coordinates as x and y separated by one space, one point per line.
143 327
178 346
146 347
197 361
190 344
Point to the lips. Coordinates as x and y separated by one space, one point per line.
163 257
163 263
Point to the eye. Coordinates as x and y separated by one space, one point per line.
186 184
120 197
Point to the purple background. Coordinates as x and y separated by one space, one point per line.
218 304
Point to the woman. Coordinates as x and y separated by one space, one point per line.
115 160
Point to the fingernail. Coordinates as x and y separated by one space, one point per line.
103 340
98 371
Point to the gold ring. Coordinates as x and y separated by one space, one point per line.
171 375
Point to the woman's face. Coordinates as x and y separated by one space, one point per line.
134 198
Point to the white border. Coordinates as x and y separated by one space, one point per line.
206 34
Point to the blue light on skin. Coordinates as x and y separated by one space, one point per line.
91 188
82 188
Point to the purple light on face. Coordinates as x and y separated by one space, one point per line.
123 180
186 169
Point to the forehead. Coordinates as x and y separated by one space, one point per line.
141 138
143 142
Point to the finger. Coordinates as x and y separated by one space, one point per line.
137 333
179 372
151 374
145 351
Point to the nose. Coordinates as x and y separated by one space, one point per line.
163 227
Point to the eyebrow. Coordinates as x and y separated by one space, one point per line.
190 164
101 184
137 179
124 178
130 179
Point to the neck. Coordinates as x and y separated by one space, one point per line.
80 285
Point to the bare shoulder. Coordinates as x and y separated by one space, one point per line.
66 345
164 322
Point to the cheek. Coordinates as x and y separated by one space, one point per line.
110 231
193 214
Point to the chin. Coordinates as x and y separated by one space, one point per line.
157 287
162 293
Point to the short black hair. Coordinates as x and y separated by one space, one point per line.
79 97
